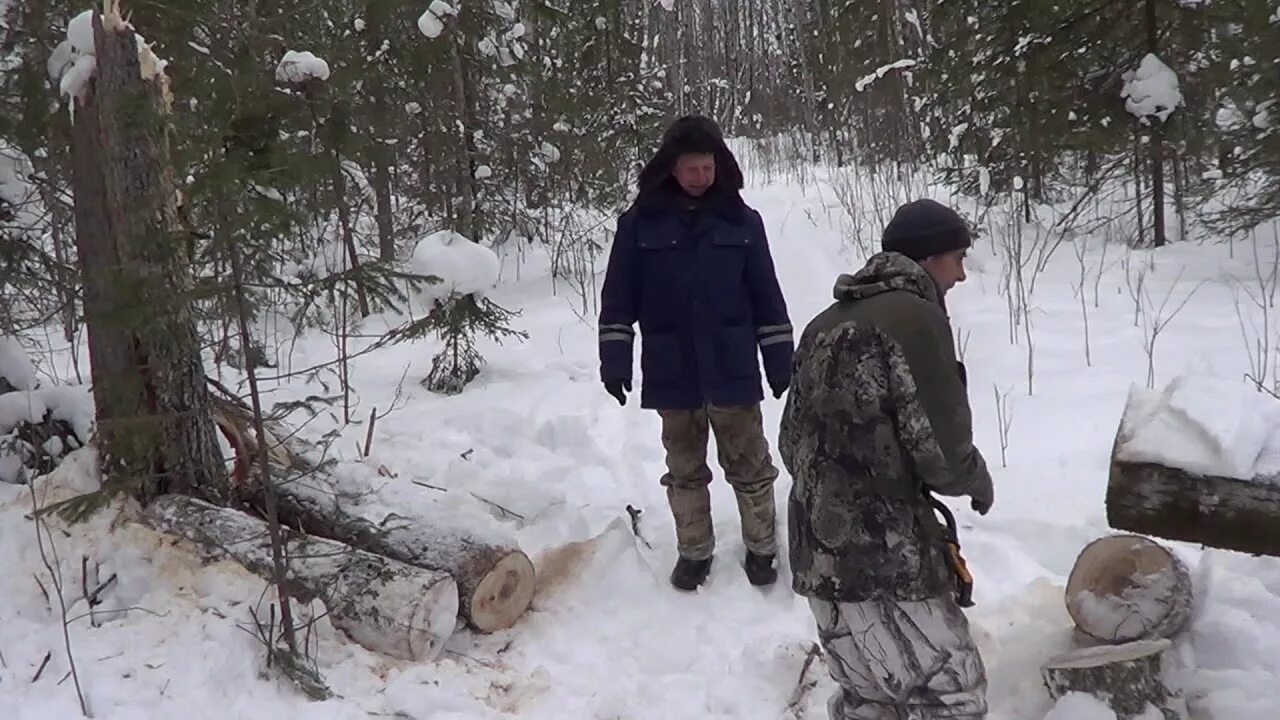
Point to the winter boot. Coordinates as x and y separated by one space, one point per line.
689 574
760 569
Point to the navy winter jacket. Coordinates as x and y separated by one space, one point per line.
701 284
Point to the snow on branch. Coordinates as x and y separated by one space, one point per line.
881 72
431 23
464 267
1151 90
296 68
74 61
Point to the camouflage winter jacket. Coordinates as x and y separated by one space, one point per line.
877 413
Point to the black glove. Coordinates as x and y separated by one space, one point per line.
619 389
779 388
982 507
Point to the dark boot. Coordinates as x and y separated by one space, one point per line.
760 569
689 574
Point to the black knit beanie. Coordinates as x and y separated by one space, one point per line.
924 228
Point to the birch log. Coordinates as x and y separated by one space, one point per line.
496 579
387 606
1127 587
1177 494
1221 512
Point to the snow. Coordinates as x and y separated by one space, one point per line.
1152 90
881 71
80 33
1079 706
1262 118
1204 425
607 637
72 404
299 67
412 108
73 61
431 22
18 196
76 80
464 267
504 10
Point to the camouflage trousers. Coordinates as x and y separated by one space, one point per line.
744 456
901 660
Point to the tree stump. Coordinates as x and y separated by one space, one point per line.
152 406
385 605
1127 587
1128 678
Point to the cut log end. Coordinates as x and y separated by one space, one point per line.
503 594
1127 678
1127 587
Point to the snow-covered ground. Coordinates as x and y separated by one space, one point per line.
607 637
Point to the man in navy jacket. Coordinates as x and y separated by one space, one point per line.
691 264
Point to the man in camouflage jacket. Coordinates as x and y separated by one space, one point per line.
877 417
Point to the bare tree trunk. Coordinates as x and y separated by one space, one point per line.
336 127
1179 194
1157 143
466 187
1137 188
382 196
156 433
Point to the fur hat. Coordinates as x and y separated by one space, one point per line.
924 228
692 134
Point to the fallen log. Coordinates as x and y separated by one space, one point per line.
1197 475
1129 679
386 606
1127 587
496 579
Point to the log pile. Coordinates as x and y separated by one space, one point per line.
384 605
495 579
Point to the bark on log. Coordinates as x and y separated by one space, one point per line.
496 579
1127 587
1126 678
386 606
1165 502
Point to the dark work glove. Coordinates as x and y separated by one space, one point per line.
778 388
618 389
982 507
